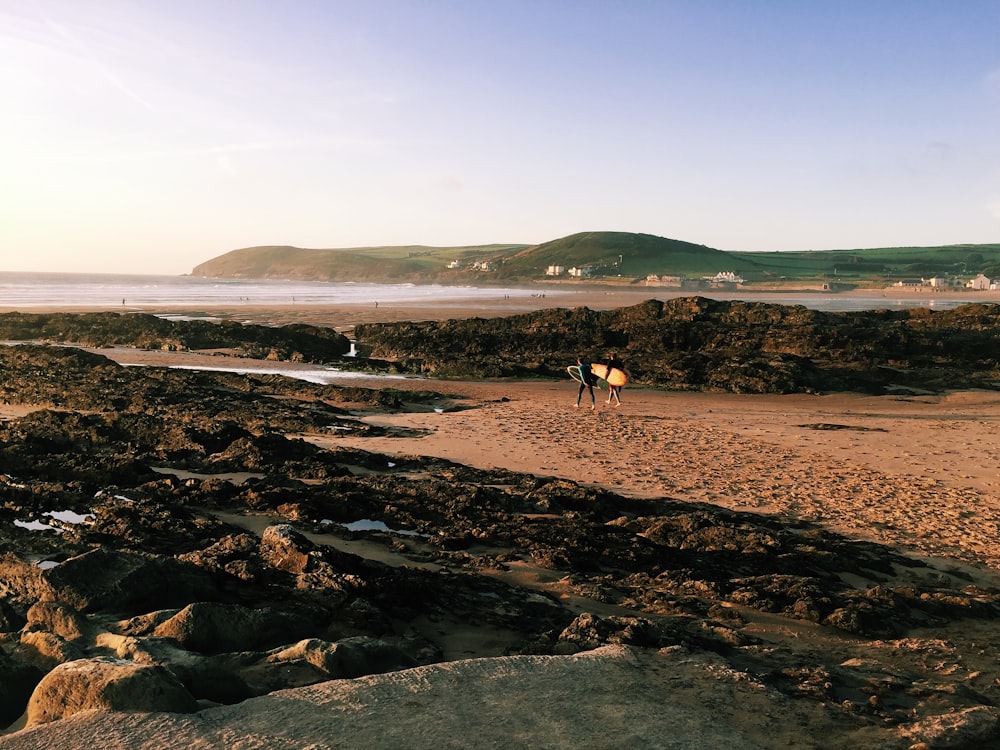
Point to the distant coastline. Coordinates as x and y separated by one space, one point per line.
344 305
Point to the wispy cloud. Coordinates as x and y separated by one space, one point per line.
85 50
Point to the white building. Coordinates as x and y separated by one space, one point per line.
665 280
725 277
555 270
980 282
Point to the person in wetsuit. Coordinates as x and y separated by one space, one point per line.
589 380
614 391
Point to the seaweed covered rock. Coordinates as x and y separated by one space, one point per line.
296 342
695 343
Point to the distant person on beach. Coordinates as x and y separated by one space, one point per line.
614 391
589 380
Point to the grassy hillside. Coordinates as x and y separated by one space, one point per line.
626 254
607 255
397 263
896 262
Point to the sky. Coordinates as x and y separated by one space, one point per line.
148 136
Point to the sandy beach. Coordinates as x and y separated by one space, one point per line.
919 472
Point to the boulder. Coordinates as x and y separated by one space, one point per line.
45 650
286 549
106 684
588 631
57 618
149 651
347 658
104 579
214 628
20 580
216 679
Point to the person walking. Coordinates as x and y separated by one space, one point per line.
587 380
614 391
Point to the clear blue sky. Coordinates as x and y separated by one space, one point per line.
151 135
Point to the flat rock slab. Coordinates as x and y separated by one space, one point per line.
607 698
611 697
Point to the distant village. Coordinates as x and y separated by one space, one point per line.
723 278
980 282
728 279
731 280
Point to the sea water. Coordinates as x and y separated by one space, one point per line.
26 290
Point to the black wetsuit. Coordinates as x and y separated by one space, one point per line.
589 379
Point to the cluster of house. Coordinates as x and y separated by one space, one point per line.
476 265
728 279
721 279
577 272
980 282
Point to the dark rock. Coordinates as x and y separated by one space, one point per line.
11 620
17 681
298 342
19 581
588 631
704 344
106 580
46 650
56 618
285 549
213 628
347 658
168 570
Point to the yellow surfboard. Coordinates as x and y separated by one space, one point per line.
617 377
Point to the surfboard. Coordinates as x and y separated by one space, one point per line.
616 378
600 372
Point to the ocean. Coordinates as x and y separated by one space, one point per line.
23 291
26 290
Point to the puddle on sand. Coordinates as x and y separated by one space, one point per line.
367 524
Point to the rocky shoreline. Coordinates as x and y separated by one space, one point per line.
684 343
181 541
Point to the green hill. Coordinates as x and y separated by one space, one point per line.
895 262
394 263
624 254
601 256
